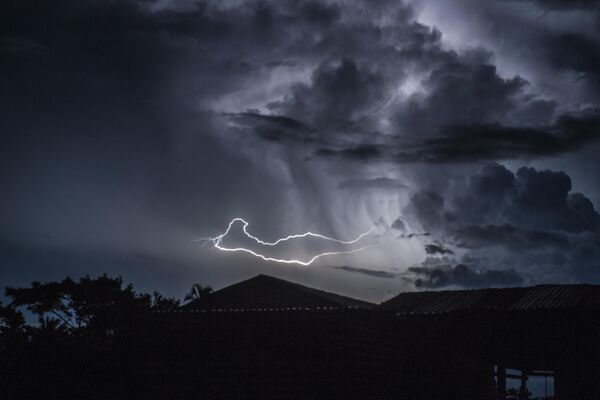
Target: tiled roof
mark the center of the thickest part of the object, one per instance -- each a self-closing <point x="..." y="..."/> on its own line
<point x="265" y="292"/>
<point x="542" y="297"/>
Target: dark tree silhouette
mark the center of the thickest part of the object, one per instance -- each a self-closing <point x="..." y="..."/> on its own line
<point x="11" y="320"/>
<point x="90" y="304"/>
<point x="12" y="328"/>
<point x="95" y="306"/>
<point x="88" y="331"/>
<point x="161" y="303"/>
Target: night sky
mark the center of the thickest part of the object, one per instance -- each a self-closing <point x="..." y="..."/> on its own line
<point x="465" y="132"/>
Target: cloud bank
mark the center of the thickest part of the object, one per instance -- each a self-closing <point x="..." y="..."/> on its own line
<point x="131" y="127"/>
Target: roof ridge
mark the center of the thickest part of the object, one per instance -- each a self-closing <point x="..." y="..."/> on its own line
<point x="547" y="296"/>
<point x="258" y="282"/>
<point x="499" y="288"/>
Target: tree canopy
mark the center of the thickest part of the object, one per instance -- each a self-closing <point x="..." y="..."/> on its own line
<point x="97" y="306"/>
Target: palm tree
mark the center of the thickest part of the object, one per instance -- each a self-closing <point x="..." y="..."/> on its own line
<point x="198" y="292"/>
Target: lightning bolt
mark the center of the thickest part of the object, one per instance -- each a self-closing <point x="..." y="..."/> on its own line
<point x="216" y="241"/>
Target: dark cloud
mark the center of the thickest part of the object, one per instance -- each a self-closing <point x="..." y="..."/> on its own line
<point x="509" y="236"/>
<point x="365" y="152"/>
<point x="337" y="97"/>
<point x="576" y="52"/>
<point x="412" y="235"/>
<point x="562" y="5"/>
<point x="461" y="92"/>
<point x="428" y="209"/>
<point x="529" y="198"/>
<point x="465" y="111"/>
<point x="273" y="127"/>
<point x="552" y="42"/>
<point x="369" y="272"/>
<point x="320" y="13"/>
<point x="437" y="249"/>
<point x="284" y="122"/>
<point x="133" y="126"/>
<point x="528" y="220"/>
<point x="533" y="199"/>
<point x="496" y="142"/>
<point x="463" y="276"/>
<point x="474" y="143"/>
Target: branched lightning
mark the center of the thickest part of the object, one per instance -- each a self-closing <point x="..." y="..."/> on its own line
<point x="216" y="241"/>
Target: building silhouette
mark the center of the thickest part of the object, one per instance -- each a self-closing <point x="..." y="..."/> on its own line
<point x="271" y="339"/>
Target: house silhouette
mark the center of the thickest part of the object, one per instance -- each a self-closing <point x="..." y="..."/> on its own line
<point x="269" y="338"/>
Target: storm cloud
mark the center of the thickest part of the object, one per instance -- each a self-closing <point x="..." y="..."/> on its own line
<point x="563" y="4"/>
<point x="497" y="218"/>
<point x="463" y="276"/>
<point x="131" y="128"/>
<point x="369" y="272"/>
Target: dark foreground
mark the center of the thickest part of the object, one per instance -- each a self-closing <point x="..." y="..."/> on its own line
<point x="268" y="338"/>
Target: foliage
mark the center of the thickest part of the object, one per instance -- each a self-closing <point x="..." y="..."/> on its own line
<point x="97" y="306"/>
<point x="83" y="329"/>
<point x="11" y="320"/>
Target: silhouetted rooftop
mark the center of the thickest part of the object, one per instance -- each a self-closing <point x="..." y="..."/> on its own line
<point x="542" y="297"/>
<point x="264" y="292"/>
<point x="267" y="293"/>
